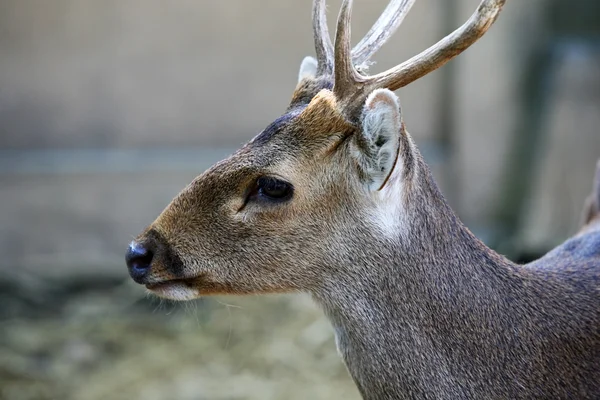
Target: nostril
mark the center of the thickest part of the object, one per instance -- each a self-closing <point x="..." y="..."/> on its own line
<point x="139" y="260"/>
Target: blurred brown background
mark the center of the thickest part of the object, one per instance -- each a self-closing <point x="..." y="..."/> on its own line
<point x="108" y="108"/>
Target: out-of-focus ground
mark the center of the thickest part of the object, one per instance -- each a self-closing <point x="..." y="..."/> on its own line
<point x="98" y="343"/>
<point x="109" y="108"/>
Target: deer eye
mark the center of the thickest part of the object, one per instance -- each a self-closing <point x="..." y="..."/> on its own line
<point x="273" y="189"/>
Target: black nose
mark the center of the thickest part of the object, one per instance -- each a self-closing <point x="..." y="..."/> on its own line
<point x="138" y="259"/>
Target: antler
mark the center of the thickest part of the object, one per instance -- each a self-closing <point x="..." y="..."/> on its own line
<point x="382" y="30"/>
<point x="323" y="45"/>
<point x="352" y="87"/>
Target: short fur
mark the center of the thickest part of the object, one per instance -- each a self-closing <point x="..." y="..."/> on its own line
<point x="421" y="308"/>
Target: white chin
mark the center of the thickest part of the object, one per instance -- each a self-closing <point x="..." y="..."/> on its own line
<point x="174" y="291"/>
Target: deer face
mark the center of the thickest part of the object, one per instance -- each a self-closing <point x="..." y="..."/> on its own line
<point x="269" y="218"/>
<point x="337" y="165"/>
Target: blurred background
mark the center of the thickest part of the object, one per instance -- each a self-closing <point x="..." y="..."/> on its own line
<point x="109" y="108"/>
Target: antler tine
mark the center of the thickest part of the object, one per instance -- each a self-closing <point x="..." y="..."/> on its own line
<point x="443" y="51"/>
<point x="346" y="78"/>
<point x="382" y="30"/>
<point x="351" y="87"/>
<point x="323" y="45"/>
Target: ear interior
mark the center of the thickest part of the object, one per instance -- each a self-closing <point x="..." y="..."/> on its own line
<point x="376" y="147"/>
<point x="308" y="68"/>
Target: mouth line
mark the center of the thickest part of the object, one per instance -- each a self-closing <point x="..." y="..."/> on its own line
<point x="175" y="289"/>
<point x="171" y="282"/>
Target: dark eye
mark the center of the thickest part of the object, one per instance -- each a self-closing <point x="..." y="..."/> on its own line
<point x="273" y="189"/>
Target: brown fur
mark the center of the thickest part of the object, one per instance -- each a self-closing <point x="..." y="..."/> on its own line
<point x="209" y="217"/>
<point x="421" y="308"/>
<point x="428" y="312"/>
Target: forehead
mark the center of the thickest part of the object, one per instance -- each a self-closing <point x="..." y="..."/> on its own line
<point x="304" y="127"/>
<point x="304" y="131"/>
<point x="281" y="140"/>
<point x="303" y="134"/>
<point x="283" y="127"/>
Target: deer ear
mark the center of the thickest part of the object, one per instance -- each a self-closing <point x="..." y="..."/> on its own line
<point x="376" y="146"/>
<point x="308" y="68"/>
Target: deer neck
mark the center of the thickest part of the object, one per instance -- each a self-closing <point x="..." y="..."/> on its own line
<point x="394" y="304"/>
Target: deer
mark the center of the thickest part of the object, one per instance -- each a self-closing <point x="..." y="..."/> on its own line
<point x="334" y="199"/>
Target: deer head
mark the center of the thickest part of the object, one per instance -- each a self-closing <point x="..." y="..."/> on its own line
<point x="337" y="170"/>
